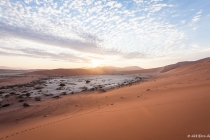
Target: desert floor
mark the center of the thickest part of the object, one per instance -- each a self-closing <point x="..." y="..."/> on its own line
<point x="170" y="106"/>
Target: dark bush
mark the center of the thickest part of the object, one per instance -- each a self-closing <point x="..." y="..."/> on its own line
<point x="20" y="96"/>
<point x="37" y="98"/>
<point x="5" y="105"/>
<point x="12" y="93"/>
<point x="57" y="97"/>
<point x="6" y="96"/>
<point x="63" y="93"/>
<point x="62" y="84"/>
<point x="92" y="89"/>
<point x="28" y="94"/>
<point x="84" y="88"/>
<point x="26" y="105"/>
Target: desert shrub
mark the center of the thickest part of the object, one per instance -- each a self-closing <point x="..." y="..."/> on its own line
<point x="37" y="98"/>
<point x="63" y="93"/>
<point x="21" y="101"/>
<point x="62" y="84"/>
<point x="12" y="93"/>
<point x="38" y="87"/>
<point x="57" y="97"/>
<point x="5" y="105"/>
<point x="28" y="94"/>
<point x="20" y="96"/>
<point x="84" y="88"/>
<point x="26" y="105"/>
<point x="92" y="89"/>
<point x="6" y="96"/>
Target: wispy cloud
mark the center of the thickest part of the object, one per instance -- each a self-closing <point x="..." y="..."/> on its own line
<point x="90" y="29"/>
<point x="197" y="16"/>
<point x="183" y="21"/>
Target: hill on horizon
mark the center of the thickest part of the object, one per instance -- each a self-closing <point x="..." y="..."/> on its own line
<point x="100" y="70"/>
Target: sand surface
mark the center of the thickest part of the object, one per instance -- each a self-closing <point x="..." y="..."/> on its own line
<point x="170" y="106"/>
<point x="17" y="80"/>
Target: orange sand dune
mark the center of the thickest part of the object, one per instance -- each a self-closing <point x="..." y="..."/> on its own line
<point x="152" y="71"/>
<point x="17" y="80"/>
<point x="92" y="71"/>
<point x="72" y="72"/>
<point x="193" y="68"/>
<point x="181" y="64"/>
<point x="112" y="70"/>
<point x="172" y="106"/>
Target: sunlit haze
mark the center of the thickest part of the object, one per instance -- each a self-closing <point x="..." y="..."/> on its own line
<point x="95" y="63"/>
<point x="89" y="33"/>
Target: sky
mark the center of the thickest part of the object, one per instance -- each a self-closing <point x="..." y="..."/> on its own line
<point x="47" y="34"/>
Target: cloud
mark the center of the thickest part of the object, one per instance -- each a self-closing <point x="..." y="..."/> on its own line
<point x="37" y="53"/>
<point x="197" y="16"/>
<point x="90" y="27"/>
<point x="183" y="21"/>
<point x="195" y="46"/>
<point x="114" y="4"/>
<point x="88" y="46"/>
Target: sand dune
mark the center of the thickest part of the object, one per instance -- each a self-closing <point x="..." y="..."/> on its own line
<point x="112" y="70"/>
<point x="17" y="80"/>
<point x="193" y="68"/>
<point x="155" y="71"/>
<point x="129" y="68"/>
<point x="92" y="71"/>
<point x="83" y="71"/>
<point x="180" y="64"/>
<point x="72" y="72"/>
<point x="152" y="71"/>
<point x="171" y="106"/>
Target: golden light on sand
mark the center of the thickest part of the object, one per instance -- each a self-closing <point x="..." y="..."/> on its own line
<point x="95" y="63"/>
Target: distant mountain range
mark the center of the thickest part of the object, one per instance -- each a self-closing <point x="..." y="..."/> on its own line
<point x="129" y="68"/>
<point x="100" y="70"/>
<point x="85" y="71"/>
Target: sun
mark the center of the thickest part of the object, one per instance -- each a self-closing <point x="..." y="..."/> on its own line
<point x="95" y="63"/>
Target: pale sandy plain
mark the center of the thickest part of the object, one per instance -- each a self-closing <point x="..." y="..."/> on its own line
<point x="169" y="106"/>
